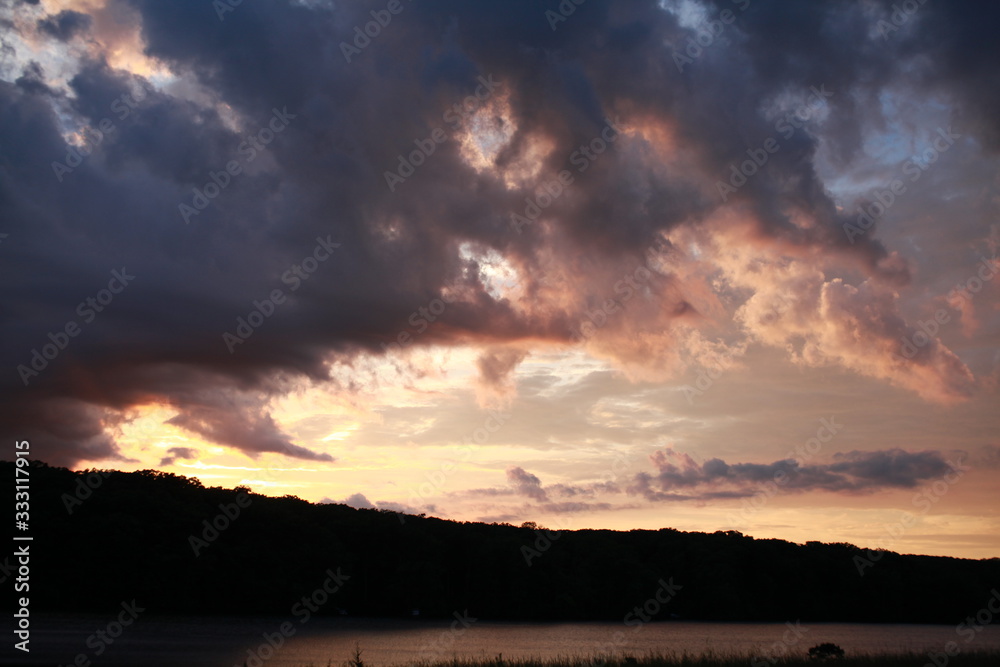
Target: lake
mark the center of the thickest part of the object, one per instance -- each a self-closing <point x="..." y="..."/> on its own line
<point x="225" y="642"/>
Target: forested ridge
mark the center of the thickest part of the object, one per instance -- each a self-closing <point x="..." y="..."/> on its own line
<point x="144" y="536"/>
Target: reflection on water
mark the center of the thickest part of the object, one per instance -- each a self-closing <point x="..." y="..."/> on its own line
<point x="227" y="642"/>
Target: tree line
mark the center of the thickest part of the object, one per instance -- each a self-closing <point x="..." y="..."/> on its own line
<point x="179" y="547"/>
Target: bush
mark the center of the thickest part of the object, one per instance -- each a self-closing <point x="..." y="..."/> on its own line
<point x="826" y="651"/>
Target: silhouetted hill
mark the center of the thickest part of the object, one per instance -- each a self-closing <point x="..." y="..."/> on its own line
<point x="132" y="539"/>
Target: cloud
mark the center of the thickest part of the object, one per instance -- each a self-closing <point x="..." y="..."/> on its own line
<point x="574" y="507"/>
<point x="988" y="456"/>
<point x="827" y="322"/>
<point x="495" y="366"/>
<point x="358" y="501"/>
<point x="525" y="483"/>
<point x="242" y="421"/>
<point x="65" y="25"/>
<point x="680" y="478"/>
<point x="361" y="502"/>
<point x="212" y="87"/>
<point x="175" y="454"/>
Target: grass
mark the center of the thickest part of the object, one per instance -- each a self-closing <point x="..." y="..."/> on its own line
<point x="982" y="658"/>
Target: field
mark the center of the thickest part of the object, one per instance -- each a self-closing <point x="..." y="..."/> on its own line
<point x="988" y="658"/>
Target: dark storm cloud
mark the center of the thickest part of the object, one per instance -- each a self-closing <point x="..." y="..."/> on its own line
<point x="960" y="49"/>
<point x="65" y="25"/>
<point x="160" y="341"/>
<point x="680" y="478"/>
<point x="249" y="427"/>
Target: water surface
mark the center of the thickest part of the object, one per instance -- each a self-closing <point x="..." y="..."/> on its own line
<point x="227" y="642"/>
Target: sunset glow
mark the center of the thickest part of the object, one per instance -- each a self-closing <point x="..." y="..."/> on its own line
<point x="582" y="275"/>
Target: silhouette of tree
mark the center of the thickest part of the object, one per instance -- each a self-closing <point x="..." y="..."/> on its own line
<point x="129" y="538"/>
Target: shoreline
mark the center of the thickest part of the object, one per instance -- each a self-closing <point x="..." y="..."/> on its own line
<point x="972" y="658"/>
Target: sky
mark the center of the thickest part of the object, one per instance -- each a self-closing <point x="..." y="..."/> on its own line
<point x="703" y="265"/>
